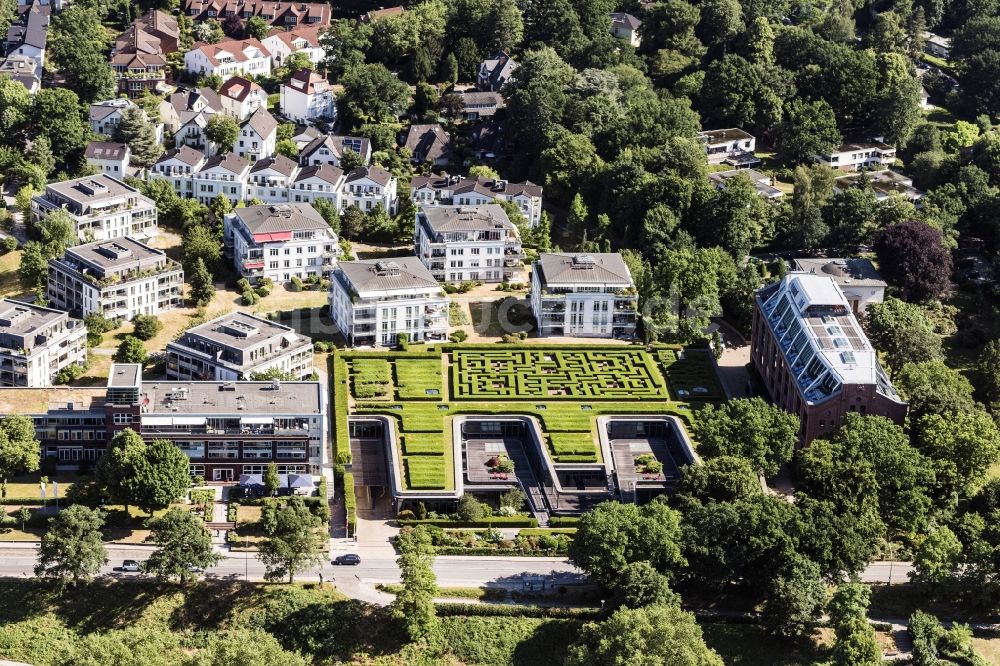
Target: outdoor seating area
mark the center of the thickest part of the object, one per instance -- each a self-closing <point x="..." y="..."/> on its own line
<point x="253" y="486"/>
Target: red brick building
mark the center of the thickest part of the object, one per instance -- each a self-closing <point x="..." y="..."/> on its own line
<point x="813" y="358"/>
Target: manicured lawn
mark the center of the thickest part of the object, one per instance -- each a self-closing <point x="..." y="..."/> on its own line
<point x="26" y="486"/>
<point x="371" y="378"/>
<point x="418" y="378"/>
<point x="424" y="472"/>
<point x="987" y="644"/>
<point x="554" y="373"/>
<point x="423" y="443"/>
<point x="572" y="447"/>
<point x="693" y="374"/>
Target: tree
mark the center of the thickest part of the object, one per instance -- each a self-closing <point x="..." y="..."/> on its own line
<point x="209" y="31"/>
<point x="272" y="373"/>
<point x="223" y="130"/>
<point x="184" y="544"/>
<point x="72" y="547"/>
<point x="720" y="479"/>
<point x="856" y="645"/>
<point x="372" y="94"/>
<point x="20" y="451"/>
<point x="131" y="350"/>
<point x="15" y="105"/>
<point x="470" y="509"/>
<point x="117" y="469"/>
<point x="202" y="285"/>
<point x="78" y="43"/>
<point x="200" y="242"/>
<point x="414" y="604"/>
<point x="90" y="76"/>
<point x="639" y="584"/>
<point x="849" y="602"/>
<point x="271" y="479"/>
<point x="293" y="543"/>
<point x="351" y="160"/>
<point x="737" y="218"/>
<point x="288" y="148"/>
<point x="749" y="428"/>
<point x="650" y="635"/>
<point x="256" y="27"/>
<point x="449" y="70"/>
<point x="913" y="257"/>
<point x="795" y="599"/>
<point x="901" y="331"/>
<point x="613" y="535"/>
<point x="57" y="115"/>
<point x="969" y="441"/>
<point x="33" y="269"/>
<point x="40" y="154"/>
<point x="345" y="44"/>
<point x="931" y="387"/>
<point x="808" y="129"/>
<point x="146" y="327"/>
<point x="898" y="110"/>
<point x="135" y="130"/>
<point x="161" y="476"/>
<point x="938" y="556"/>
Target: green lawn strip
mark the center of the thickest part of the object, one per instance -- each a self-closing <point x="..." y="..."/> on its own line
<point x="695" y="370"/>
<point x="342" y="433"/>
<point x="423" y="443"/>
<point x="575" y="445"/>
<point x="415" y="377"/>
<point x="425" y="472"/>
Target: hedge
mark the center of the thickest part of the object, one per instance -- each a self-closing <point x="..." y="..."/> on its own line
<point x="342" y="432"/>
<point x="515" y="610"/>
<point x="557" y="521"/>
<point x="350" y="503"/>
<point x="547" y="531"/>
<point x="498" y="552"/>
<point x="496" y="521"/>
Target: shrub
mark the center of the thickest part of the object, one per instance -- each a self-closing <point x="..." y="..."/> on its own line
<point x="350" y="503"/>
<point x="263" y="290"/>
<point x="243" y="284"/>
<point x="146" y="327"/>
<point x="458" y="336"/>
<point x="9" y="244"/>
<point x="470" y="509"/>
<point x="250" y="298"/>
<point x="321" y="347"/>
<point x="296" y="283"/>
<point x="405" y="514"/>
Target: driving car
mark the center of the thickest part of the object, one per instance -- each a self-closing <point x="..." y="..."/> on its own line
<point x="130" y="565"/>
<point x="347" y="559"/>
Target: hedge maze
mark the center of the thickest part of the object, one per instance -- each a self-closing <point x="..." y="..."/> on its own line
<point x="555" y="374"/>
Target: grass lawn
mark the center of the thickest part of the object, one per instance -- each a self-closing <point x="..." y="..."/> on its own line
<point x="10" y="284"/>
<point x="987" y="644"/>
<point x="26" y="486"/>
<point x="751" y="645"/>
<point x="423" y="443"/>
<point x="418" y="378"/>
<point x="693" y="374"/>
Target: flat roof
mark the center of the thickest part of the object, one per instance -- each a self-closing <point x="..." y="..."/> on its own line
<point x="854" y="271"/>
<point x="125" y="375"/>
<point x="21" y="319"/>
<point x="239" y="330"/>
<point x="244" y="398"/>
<point x="39" y="401"/>
<point x="726" y="134"/>
<point x="113" y="253"/>
<point x="90" y="189"/>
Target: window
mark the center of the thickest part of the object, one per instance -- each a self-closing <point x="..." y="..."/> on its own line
<point x="122" y="419"/>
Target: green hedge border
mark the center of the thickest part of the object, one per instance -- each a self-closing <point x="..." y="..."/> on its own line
<point x="497" y="521"/>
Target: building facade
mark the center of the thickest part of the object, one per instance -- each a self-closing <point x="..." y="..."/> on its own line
<point x="859" y="155"/>
<point x="101" y="207"/>
<point x="458" y="244"/>
<point x="306" y="97"/>
<point x="224" y="428"/>
<point x="231" y="57"/>
<point x="279" y="14"/>
<point x="109" y="158"/>
<point x="857" y="278"/>
<point x="813" y="358"/>
<point x="36" y="343"/>
<point x="280" y="241"/>
<point x="237" y="345"/>
<point x="730" y="145"/>
<point x="120" y="278"/>
<point x="445" y="190"/>
<point x="583" y="295"/>
<point x="373" y="301"/>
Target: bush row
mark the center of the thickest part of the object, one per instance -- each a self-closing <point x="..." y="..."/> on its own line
<point x="564" y="521"/>
<point x="342" y="433"/>
<point x="350" y="503"/>
<point x="515" y="610"/>
<point x="496" y="521"/>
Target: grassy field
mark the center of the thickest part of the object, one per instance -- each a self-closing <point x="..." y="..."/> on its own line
<point x="557" y="390"/>
<point x="10" y="284"/>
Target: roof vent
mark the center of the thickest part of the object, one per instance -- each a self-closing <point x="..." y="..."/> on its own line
<point x="387" y="268"/>
<point x="583" y="261"/>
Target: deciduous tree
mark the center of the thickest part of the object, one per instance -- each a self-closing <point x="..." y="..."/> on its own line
<point x="749" y="428"/>
<point x="184" y="544"/>
<point x="72" y="548"/>
<point x="223" y="130"/>
<point x="20" y="451"/>
<point x="131" y="350"/>
<point x="912" y="256"/>
<point x="414" y="604"/>
<point x="293" y="540"/>
<point x="902" y="332"/>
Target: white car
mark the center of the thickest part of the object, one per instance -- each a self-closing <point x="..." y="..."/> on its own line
<point x="130" y="565"/>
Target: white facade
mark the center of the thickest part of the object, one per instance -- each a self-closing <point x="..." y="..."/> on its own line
<point x="369" y="187"/>
<point x="862" y="155"/>
<point x="297" y="40"/>
<point x="114" y="167"/>
<point x="222" y="174"/>
<point x="308" y="98"/>
<point x="447" y="190"/>
<point x="583" y="295"/>
<point x="246" y="57"/>
<point x="240" y="98"/>
<point x="101" y="207"/>
<point x="727" y="144"/>
<point x="36" y="343"/>
<point x="178" y="166"/>
<point x="461" y="244"/>
<point x="373" y="301"/>
<point x="258" y="136"/>
<point x="280" y="242"/>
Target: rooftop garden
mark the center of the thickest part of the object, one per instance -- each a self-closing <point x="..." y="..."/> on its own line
<point x="565" y="387"/>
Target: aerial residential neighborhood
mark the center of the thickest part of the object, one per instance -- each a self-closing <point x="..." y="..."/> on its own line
<point x="500" y="333"/>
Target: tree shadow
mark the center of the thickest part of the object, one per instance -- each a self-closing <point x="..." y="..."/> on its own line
<point x="105" y="604"/>
<point x="548" y="644"/>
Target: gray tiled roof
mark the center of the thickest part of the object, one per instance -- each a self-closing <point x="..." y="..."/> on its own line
<point x="387" y="274"/>
<point x="280" y="163"/>
<point x="104" y="150"/>
<point x="276" y="218"/>
<point x="466" y="218"/>
<point x="583" y="268"/>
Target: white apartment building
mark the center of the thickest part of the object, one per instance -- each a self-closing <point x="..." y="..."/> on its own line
<point x="305" y="39"/>
<point x="231" y="57"/>
<point x="102" y="208"/>
<point x="583" y="295"/>
<point x="372" y="301"/>
<point x="859" y="155"/>
<point x="318" y="182"/>
<point x="445" y="190"/>
<point x="240" y="98"/>
<point x="328" y="149"/>
<point x="119" y="278"/>
<point x="36" y="343"/>
<point x="258" y="136"/>
<point x="270" y="179"/>
<point x="234" y="346"/>
<point x="369" y="186"/>
<point x="280" y="241"/>
<point x="178" y="166"/>
<point x="467" y="243"/>
<point x="223" y="174"/>
<point x="307" y="97"/>
<point x="731" y="146"/>
<point x="109" y="158"/>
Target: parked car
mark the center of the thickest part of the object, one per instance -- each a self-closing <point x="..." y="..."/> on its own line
<point x="348" y="559"/>
<point x="130" y="565"/>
